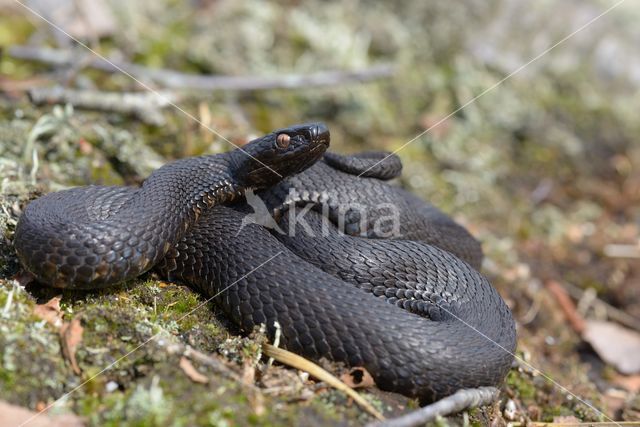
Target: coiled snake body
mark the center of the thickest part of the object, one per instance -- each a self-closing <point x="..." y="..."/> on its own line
<point x="423" y="322"/>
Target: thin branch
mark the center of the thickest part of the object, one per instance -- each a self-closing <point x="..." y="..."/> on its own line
<point x="459" y="401"/>
<point x="612" y="312"/>
<point x="144" y="105"/>
<point x="622" y="251"/>
<point x="560" y="294"/>
<point x="176" y="80"/>
<point x="216" y="364"/>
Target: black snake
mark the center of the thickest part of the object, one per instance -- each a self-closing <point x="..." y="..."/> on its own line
<point x="422" y="321"/>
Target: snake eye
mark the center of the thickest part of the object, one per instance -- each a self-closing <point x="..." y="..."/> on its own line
<point x="283" y="140"/>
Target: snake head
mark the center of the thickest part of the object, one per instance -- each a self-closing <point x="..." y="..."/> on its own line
<point x="281" y="153"/>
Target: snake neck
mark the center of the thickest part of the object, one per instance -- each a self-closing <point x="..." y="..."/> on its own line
<point x="197" y="184"/>
<point x="93" y="237"/>
<point x="221" y="192"/>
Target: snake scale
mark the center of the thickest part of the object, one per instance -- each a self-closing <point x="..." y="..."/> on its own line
<point x="404" y="302"/>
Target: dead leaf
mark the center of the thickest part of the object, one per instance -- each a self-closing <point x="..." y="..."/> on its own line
<point x="192" y="372"/>
<point x="50" y="311"/>
<point x="16" y="415"/>
<point x="70" y="337"/>
<point x="23" y="277"/>
<point x="357" y="378"/>
<point x="614" y="400"/>
<point x="630" y="383"/>
<point x="70" y="332"/>
<point x="616" y="345"/>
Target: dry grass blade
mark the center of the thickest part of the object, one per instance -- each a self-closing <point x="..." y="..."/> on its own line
<point x="298" y="362"/>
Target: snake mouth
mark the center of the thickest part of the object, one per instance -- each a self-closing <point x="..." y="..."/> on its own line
<point x="324" y="146"/>
<point x="315" y="153"/>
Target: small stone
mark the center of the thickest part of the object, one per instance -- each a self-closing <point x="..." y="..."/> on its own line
<point x="510" y="410"/>
<point x="111" y="386"/>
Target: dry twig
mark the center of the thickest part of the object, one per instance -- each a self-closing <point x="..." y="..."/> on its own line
<point x="210" y="361"/>
<point x="612" y="312"/>
<point x="459" y="401"/>
<point x="144" y="105"/>
<point x="566" y="304"/>
<point x="176" y="80"/>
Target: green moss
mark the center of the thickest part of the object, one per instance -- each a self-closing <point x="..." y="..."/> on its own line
<point x="550" y="412"/>
<point x="162" y="399"/>
<point x="145" y="388"/>
<point x="14" y="29"/>
<point x="521" y="384"/>
<point x="32" y="370"/>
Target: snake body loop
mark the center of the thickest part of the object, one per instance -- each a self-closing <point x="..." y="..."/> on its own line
<point x="92" y="237"/>
<point x="358" y="205"/>
<point x="410" y="307"/>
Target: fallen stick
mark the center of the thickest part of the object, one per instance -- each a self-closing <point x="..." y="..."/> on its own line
<point x="622" y="251"/>
<point x="459" y="401"/>
<point x="561" y="295"/>
<point x="217" y="365"/>
<point x="176" y="80"/>
<point x="612" y="312"/>
<point x="144" y="105"/>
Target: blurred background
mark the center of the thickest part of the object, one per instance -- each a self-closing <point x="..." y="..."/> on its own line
<point x="542" y="168"/>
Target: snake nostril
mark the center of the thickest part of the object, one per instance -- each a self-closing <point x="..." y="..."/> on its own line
<point x="320" y="133"/>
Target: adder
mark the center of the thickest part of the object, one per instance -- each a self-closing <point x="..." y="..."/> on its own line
<point x="421" y="320"/>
